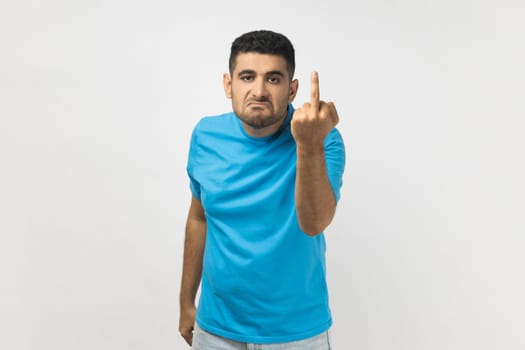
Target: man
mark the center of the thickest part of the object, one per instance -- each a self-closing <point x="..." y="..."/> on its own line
<point x="265" y="181"/>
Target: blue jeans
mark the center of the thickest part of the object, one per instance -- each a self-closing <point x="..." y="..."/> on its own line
<point x="203" y="340"/>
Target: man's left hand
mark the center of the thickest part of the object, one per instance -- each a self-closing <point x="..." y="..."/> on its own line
<point x="314" y="120"/>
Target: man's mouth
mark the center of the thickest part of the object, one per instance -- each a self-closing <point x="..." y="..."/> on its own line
<point x="259" y="104"/>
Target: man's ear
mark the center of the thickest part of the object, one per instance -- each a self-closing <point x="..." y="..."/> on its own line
<point x="227" y="82"/>
<point x="294" y="87"/>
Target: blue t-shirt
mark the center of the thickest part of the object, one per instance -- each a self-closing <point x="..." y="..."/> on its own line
<point x="263" y="279"/>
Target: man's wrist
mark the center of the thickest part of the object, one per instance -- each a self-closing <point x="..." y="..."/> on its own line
<point x="310" y="149"/>
<point x="186" y="302"/>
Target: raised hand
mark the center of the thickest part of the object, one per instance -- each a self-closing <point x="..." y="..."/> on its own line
<point x="315" y="119"/>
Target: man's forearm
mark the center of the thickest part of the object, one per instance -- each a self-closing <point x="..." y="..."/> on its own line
<point x="314" y="198"/>
<point x="191" y="268"/>
<point x="192" y="262"/>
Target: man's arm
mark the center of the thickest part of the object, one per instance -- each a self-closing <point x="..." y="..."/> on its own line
<point x="314" y="198"/>
<point x="192" y="267"/>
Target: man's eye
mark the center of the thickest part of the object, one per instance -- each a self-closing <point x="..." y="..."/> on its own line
<point x="274" y="80"/>
<point x="247" y="78"/>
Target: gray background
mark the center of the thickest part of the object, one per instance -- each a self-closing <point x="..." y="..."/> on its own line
<point x="97" y="103"/>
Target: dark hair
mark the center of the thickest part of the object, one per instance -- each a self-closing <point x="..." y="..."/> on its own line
<point x="265" y="42"/>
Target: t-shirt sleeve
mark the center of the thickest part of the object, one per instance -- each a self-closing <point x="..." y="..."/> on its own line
<point x="195" y="187"/>
<point x="335" y="161"/>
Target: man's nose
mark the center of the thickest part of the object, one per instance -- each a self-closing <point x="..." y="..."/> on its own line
<point x="259" y="89"/>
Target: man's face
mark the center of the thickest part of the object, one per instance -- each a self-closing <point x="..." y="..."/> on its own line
<point x="260" y="90"/>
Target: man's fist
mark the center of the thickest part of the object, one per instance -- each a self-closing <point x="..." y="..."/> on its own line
<point x="186" y="323"/>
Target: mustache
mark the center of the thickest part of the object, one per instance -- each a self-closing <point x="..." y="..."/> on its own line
<point x="259" y="99"/>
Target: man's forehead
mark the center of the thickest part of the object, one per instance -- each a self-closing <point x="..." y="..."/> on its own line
<point x="260" y="63"/>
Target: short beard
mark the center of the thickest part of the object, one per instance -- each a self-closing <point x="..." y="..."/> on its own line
<point x="260" y="123"/>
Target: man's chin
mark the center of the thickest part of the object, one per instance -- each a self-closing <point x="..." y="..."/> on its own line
<point x="259" y="122"/>
<point x="259" y="114"/>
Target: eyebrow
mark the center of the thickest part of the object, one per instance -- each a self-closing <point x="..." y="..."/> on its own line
<point x="251" y="71"/>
